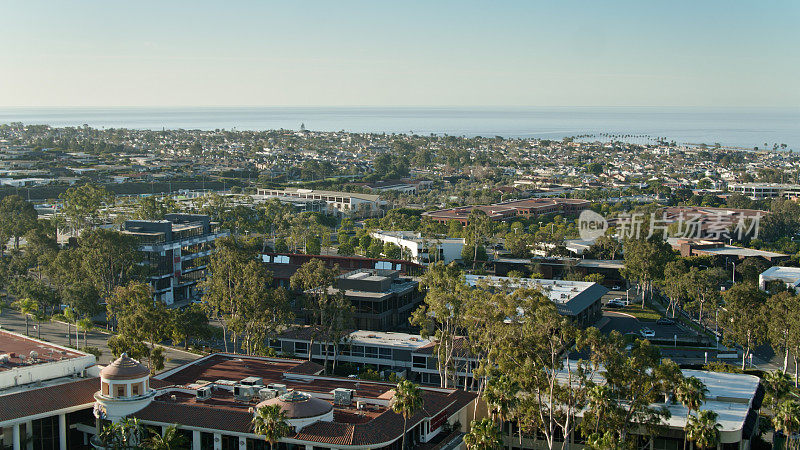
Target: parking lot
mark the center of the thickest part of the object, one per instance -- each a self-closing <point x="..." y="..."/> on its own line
<point x="615" y="319"/>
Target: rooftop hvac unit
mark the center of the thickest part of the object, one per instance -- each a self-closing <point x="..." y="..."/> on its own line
<point x="204" y="393"/>
<point x="281" y="388"/>
<point x="243" y="392"/>
<point x="4" y="358"/>
<point x="342" y="396"/>
<point x="252" y="381"/>
<point x="267" y="393"/>
<point x="34" y="354"/>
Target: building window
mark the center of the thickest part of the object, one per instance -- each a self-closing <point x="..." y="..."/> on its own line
<point x="301" y="347"/>
<point x="419" y="362"/>
<point x="385" y="353"/>
<point x="136" y="389"/>
<point x="120" y="390"/>
<point x="371" y="352"/>
<point x="104" y="388"/>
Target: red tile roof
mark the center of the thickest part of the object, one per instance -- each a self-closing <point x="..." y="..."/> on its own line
<point x="47" y="399"/>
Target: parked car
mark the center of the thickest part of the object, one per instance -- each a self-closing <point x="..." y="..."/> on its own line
<point x="615" y="303"/>
<point x="665" y="321"/>
<point x="647" y="333"/>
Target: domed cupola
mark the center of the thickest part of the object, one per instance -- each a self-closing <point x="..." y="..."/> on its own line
<point x="124" y="388"/>
<point x="301" y="409"/>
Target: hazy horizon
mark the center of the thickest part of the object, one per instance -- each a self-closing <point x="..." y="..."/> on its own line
<point x="411" y="54"/>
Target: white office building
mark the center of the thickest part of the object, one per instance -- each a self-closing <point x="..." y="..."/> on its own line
<point x="418" y="249"/>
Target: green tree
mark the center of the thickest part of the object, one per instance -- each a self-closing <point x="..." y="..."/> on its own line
<point x="777" y="385"/>
<point x="407" y="400"/>
<point x="27" y="307"/>
<point x="16" y="217"/>
<point x="703" y="289"/>
<point x="478" y="229"/>
<point x="783" y="326"/>
<point x="139" y="318"/>
<point x="645" y="261"/>
<point x="188" y="323"/>
<point x="703" y="429"/>
<point x="172" y="439"/>
<point x="270" y="421"/>
<point x="483" y="435"/>
<point x="744" y="318"/>
<point x="85" y="325"/>
<point x="154" y="208"/>
<point x="391" y="251"/>
<point x="440" y="316"/>
<point x="234" y="278"/>
<point x="82" y="204"/>
<point x="691" y="392"/>
<point x="787" y="421"/>
<point x="109" y="259"/>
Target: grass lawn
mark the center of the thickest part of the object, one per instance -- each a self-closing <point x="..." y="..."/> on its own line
<point x="645" y="315"/>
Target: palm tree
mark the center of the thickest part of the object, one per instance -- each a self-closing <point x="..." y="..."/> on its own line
<point x="406" y="401"/>
<point x="84" y="325"/>
<point x="691" y="392"/>
<point x="27" y="307"/>
<point x="170" y="440"/>
<point x="776" y="385"/>
<point x="599" y="398"/>
<point x="787" y="420"/>
<point x="501" y="396"/>
<point x="270" y="422"/>
<point x="703" y="429"/>
<point x="483" y="435"/>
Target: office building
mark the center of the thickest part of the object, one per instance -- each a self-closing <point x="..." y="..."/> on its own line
<point x="178" y="250"/>
<point x="422" y="250"/>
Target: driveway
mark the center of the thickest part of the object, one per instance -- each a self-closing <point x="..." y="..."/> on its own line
<point x="625" y="323"/>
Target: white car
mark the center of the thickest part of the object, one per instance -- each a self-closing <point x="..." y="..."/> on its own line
<point x="647" y="333"/>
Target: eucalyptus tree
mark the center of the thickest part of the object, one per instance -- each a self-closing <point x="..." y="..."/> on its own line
<point x="744" y="318"/>
<point x="441" y="315"/>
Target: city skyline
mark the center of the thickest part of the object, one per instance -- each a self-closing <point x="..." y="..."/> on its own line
<point x="410" y="54"/>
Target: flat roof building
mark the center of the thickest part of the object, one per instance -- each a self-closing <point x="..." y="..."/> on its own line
<point x="511" y="209"/>
<point x="790" y="276"/>
<point x="761" y="191"/>
<point x="578" y="300"/>
<point x="42" y="387"/>
<point x="339" y="203"/>
<point x="382" y="298"/>
<point x="423" y="250"/>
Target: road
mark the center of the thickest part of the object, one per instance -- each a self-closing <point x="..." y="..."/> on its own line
<point x="56" y="333"/>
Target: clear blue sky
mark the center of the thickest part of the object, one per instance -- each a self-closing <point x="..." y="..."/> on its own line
<point x="402" y="52"/>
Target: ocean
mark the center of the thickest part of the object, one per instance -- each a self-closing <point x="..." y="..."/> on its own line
<point x="735" y="127"/>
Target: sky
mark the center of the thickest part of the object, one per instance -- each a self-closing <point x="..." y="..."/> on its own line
<point x="400" y="53"/>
